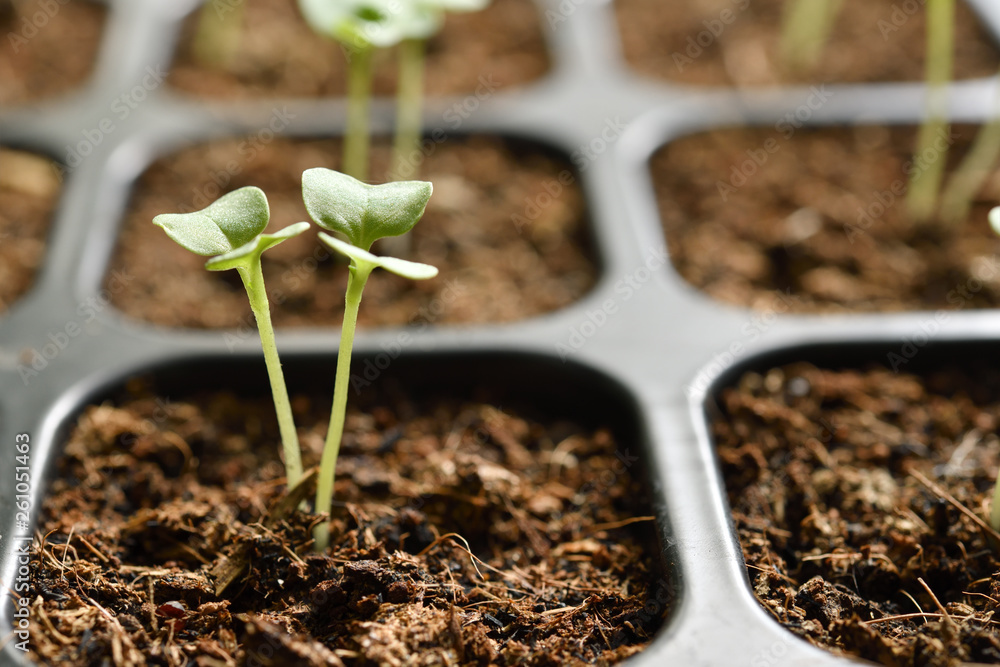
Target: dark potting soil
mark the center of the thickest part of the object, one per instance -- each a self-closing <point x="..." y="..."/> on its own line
<point x="820" y="219"/>
<point x="849" y="488"/>
<point x="279" y="55"/>
<point x="736" y="42"/>
<point x="506" y="248"/>
<point x="463" y="533"/>
<point x="49" y="47"/>
<point x="29" y="191"/>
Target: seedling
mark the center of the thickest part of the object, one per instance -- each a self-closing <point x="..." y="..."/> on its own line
<point x="361" y="214"/>
<point x="220" y="26"/>
<point x="805" y="29"/>
<point x="961" y="189"/>
<point x="921" y="197"/>
<point x="361" y="26"/>
<point x="231" y="229"/>
<point x="409" y="95"/>
<point x="930" y="156"/>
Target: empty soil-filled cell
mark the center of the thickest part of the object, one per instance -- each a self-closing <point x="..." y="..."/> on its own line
<point x="861" y="497"/>
<point x="50" y="47"/>
<point x="29" y="191"/>
<point x="471" y="525"/>
<point x="267" y="49"/>
<point x="737" y="42"/>
<point x="506" y="248"/>
<point x="816" y="220"/>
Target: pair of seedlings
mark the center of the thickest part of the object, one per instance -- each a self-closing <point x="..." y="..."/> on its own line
<point x="930" y="199"/>
<point x="231" y="231"/>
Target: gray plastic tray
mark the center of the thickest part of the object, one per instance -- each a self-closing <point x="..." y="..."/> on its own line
<point x="665" y="346"/>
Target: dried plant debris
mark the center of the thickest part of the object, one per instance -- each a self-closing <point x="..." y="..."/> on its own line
<point x="465" y="534"/>
<point x="859" y="498"/>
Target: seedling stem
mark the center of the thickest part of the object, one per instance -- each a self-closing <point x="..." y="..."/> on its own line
<point x="409" y="103"/>
<point x="253" y="280"/>
<point x="220" y="24"/>
<point x="961" y="189"/>
<point x="921" y="198"/>
<point x="356" y="280"/>
<point x="806" y="27"/>
<point x="359" y="89"/>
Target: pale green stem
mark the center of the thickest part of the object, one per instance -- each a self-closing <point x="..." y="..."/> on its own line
<point x="409" y="107"/>
<point x="356" y="280"/>
<point x="929" y="158"/>
<point x="805" y="29"/>
<point x="253" y="280"/>
<point x="359" y="91"/>
<point x="963" y="185"/>
<point x="220" y="26"/>
<point x="409" y="121"/>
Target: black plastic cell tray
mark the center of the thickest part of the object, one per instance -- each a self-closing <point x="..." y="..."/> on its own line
<point x="659" y="355"/>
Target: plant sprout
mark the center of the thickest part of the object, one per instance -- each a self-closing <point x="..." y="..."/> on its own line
<point x="409" y="95"/>
<point x="805" y="29"/>
<point x="361" y="214"/>
<point x="361" y="26"/>
<point x="921" y="196"/>
<point x="231" y="229"/>
<point x="956" y="200"/>
<point x="217" y="37"/>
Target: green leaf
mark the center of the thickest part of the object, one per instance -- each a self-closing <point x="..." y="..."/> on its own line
<point x="230" y="222"/>
<point x="363" y="213"/>
<point x="995" y="219"/>
<point x="456" y="5"/>
<point x="401" y="267"/>
<point x="361" y="24"/>
<point x="240" y="256"/>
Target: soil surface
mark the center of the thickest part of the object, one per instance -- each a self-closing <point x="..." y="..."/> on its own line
<point x="820" y="218"/>
<point x="156" y="503"/>
<point x="48" y="47"/>
<point x="279" y="55"/>
<point x="849" y="488"/>
<point x="493" y="267"/>
<point x="29" y="191"/>
<point x="736" y="42"/>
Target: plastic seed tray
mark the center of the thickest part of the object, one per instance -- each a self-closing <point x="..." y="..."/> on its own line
<point x="647" y="345"/>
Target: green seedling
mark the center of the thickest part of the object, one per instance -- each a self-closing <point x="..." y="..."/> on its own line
<point x="926" y="200"/>
<point x="805" y="30"/>
<point x="360" y="27"/>
<point x="220" y="28"/>
<point x="922" y="193"/>
<point x="231" y="231"/>
<point x="359" y="214"/>
<point x="409" y="95"/>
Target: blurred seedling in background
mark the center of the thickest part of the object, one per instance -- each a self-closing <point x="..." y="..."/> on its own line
<point x="358" y="214"/>
<point x="927" y="201"/>
<point x="805" y="29"/>
<point x="412" y="63"/>
<point x="361" y="27"/>
<point x="219" y="32"/>
<point x="231" y="231"/>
